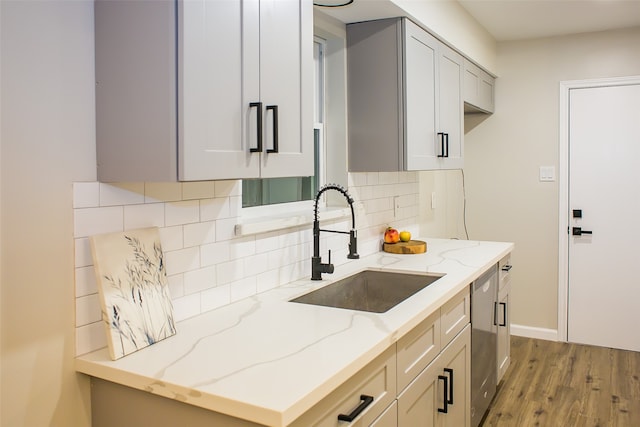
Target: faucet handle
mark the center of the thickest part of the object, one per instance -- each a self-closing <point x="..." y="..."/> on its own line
<point x="329" y="262"/>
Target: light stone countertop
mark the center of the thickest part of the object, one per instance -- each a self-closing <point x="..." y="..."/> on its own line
<point x="267" y="360"/>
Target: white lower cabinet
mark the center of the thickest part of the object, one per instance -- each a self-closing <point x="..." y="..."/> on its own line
<point x="428" y="369"/>
<point x="440" y="395"/>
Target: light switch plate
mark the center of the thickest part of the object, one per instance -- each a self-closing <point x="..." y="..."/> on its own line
<point x="547" y="173"/>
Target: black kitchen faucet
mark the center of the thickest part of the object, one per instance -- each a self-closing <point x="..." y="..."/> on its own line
<point x="317" y="267"/>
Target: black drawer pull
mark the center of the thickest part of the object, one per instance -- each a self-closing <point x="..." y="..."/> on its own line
<point x="445" y="399"/>
<point x="507" y="267"/>
<point x="366" y="401"/>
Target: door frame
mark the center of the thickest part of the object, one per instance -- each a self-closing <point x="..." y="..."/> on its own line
<point x="563" y="189"/>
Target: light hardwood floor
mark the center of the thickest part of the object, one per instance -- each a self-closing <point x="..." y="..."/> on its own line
<point x="566" y="385"/>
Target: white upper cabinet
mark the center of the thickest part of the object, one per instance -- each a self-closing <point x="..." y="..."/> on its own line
<point x="478" y="89"/>
<point x="405" y="98"/>
<point x="204" y="89"/>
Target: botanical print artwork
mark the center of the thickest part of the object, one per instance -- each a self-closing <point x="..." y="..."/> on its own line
<point x="132" y="284"/>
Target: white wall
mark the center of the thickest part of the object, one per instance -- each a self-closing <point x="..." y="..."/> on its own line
<point x="453" y="24"/>
<point x="505" y="200"/>
<point x="47" y="143"/>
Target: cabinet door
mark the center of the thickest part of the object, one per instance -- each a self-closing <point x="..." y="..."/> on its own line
<point x="504" y="332"/>
<point x="216" y="40"/>
<point x="389" y="417"/>
<point x="455" y="363"/>
<point x="418" y="404"/>
<point x="286" y="87"/>
<point x="420" y="99"/>
<point x="450" y="108"/>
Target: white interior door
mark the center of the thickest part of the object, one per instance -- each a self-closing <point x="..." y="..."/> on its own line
<point x="604" y="183"/>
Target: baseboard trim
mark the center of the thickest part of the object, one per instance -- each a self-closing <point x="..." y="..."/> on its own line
<point x="533" y="332"/>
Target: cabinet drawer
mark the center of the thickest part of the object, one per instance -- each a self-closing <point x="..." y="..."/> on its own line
<point x="454" y="316"/>
<point x="504" y="267"/>
<point x="417" y="349"/>
<point x="377" y="379"/>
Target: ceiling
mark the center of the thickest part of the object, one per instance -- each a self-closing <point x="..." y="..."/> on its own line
<point x="525" y="19"/>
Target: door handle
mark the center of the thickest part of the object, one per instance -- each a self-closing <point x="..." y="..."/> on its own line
<point x="444" y="144"/>
<point x="445" y="408"/>
<point x="450" y="397"/>
<point x="274" y="109"/>
<point x="577" y="231"/>
<point x="504" y="314"/>
<point x="257" y="105"/>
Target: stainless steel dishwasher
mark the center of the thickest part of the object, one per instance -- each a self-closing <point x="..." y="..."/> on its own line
<point x="484" y="336"/>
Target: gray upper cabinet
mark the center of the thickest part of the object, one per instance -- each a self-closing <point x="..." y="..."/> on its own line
<point x="478" y="89"/>
<point x="203" y="89"/>
<point x="405" y="98"/>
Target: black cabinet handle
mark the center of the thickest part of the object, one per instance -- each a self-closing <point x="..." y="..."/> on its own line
<point x="504" y="314"/>
<point x="274" y="108"/>
<point x="366" y="401"/>
<point x="441" y="138"/>
<point x="445" y="408"/>
<point x="258" y="149"/>
<point x="450" y="397"/>
<point x="507" y="267"/>
<point x="577" y="231"/>
<point x="446" y="135"/>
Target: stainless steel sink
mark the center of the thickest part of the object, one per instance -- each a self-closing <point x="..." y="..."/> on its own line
<point x="370" y="290"/>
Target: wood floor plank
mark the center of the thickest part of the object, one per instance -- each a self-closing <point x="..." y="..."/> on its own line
<point x="563" y="384"/>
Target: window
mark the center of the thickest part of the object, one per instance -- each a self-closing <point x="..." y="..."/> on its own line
<point x="271" y="191"/>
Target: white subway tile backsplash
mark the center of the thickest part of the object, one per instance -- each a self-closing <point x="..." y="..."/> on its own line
<point x="207" y="265"/>
<point x="214" y="253"/>
<point x="228" y="188"/>
<point x="182" y="260"/>
<point x="176" y="285"/>
<point x="85" y="281"/>
<point x="225" y="229"/>
<point x="185" y="307"/>
<point x="90" y="337"/>
<point x="230" y="271"/>
<point x="88" y="309"/>
<point x="184" y="212"/>
<point x="243" y="247"/>
<point x="90" y="221"/>
<point x="86" y="195"/>
<point x="199" y="233"/>
<point x="256" y="264"/>
<point x="83" y="252"/>
<point x="212" y="209"/>
<point x="199" y="280"/>
<point x="268" y="280"/>
<point x="172" y="238"/>
<point x="141" y="216"/>
<point x="243" y="288"/>
<point x="127" y="193"/>
<point x="198" y="190"/>
<point x="215" y="297"/>
<point x="162" y="192"/>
